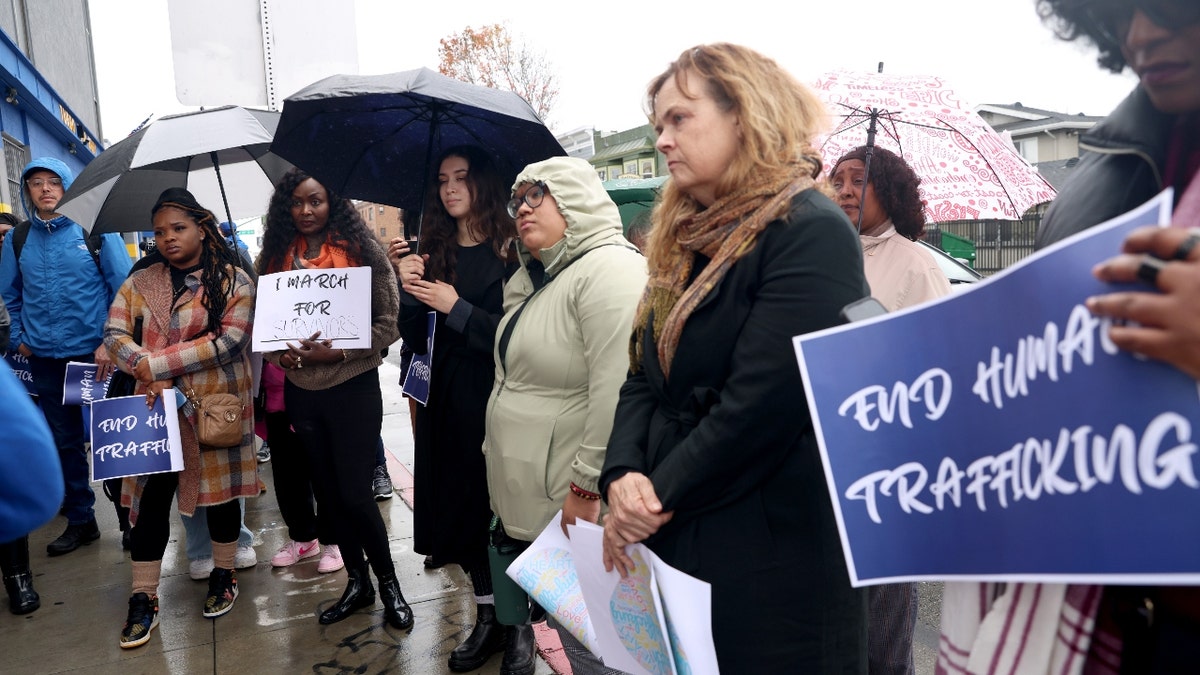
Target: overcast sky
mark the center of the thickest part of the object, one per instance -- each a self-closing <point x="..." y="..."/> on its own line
<point x="604" y="53"/>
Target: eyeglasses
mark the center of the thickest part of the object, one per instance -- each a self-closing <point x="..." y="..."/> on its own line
<point x="38" y="183"/>
<point x="1114" y="18"/>
<point x="533" y="198"/>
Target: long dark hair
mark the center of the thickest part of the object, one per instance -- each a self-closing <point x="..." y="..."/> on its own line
<point x="488" y="220"/>
<point x="896" y="187"/>
<point x="345" y="228"/>
<point x="218" y="263"/>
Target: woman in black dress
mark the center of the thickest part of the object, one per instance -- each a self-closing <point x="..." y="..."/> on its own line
<point x="465" y="257"/>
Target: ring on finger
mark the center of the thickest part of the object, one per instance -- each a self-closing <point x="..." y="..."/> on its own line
<point x="1186" y="246"/>
<point x="1149" y="268"/>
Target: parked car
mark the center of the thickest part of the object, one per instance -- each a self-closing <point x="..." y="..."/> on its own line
<point x="955" y="270"/>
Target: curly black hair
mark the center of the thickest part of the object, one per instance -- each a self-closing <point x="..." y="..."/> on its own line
<point x="344" y="229"/>
<point x="896" y="187"/>
<point x="489" y="215"/>
<point x="1093" y="20"/>
<point x="218" y="262"/>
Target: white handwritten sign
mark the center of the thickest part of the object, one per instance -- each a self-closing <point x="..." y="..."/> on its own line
<point x="292" y="306"/>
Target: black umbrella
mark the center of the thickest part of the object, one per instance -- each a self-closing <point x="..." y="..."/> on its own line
<point x="373" y="137"/>
<point x="222" y="156"/>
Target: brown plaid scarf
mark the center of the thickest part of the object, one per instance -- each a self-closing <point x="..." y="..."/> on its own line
<point x="724" y="232"/>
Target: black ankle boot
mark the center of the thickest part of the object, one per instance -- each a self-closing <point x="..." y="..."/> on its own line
<point x="18" y="580"/>
<point x="486" y="639"/>
<point x="519" y="651"/>
<point x="395" y="609"/>
<point x="359" y="593"/>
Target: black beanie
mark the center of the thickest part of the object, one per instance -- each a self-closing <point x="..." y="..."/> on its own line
<point x="177" y="196"/>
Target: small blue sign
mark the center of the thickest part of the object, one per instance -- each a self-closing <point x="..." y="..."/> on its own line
<point x="20" y="368"/>
<point x="129" y="439"/>
<point x="80" y="386"/>
<point x="420" y="369"/>
<point x="997" y="434"/>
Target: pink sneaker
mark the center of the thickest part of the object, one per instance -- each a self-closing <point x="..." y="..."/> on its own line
<point x="295" y="551"/>
<point x="331" y="560"/>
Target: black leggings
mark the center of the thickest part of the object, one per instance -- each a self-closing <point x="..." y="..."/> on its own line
<point x="148" y="539"/>
<point x="293" y="483"/>
<point x="339" y="429"/>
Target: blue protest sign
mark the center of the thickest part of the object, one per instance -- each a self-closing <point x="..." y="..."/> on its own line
<point x="80" y="386"/>
<point x="20" y="368"/>
<point x="420" y="372"/>
<point x="129" y="439"/>
<point x="996" y="434"/>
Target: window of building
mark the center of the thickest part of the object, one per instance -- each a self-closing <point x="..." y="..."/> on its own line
<point x="16" y="156"/>
<point x="602" y="173"/>
<point x="1027" y="148"/>
<point x="383" y="231"/>
<point x="381" y="209"/>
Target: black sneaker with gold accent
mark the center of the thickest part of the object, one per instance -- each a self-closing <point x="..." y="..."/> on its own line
<point x="142" y="620"/>
<point x="222" y="591"/>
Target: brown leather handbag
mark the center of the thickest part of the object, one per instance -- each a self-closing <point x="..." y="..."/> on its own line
<point x="218" y="419"/>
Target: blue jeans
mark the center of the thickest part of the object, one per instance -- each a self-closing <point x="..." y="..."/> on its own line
<point x="66" y="425"/>
<point x="195" y="527"/>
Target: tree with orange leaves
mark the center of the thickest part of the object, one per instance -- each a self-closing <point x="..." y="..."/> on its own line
<point x="489" y="56"/>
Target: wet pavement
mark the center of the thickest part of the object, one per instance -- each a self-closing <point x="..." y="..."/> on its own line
<point x="273" y="626"/>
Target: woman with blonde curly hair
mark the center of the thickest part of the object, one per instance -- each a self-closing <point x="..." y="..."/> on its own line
<point x="713" y="461"/>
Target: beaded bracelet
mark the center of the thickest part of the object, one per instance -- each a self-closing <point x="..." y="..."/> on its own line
<point x="583" y="494"/>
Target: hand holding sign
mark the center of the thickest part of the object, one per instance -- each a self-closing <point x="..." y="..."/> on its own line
<point x="1166" y="326"/>
<point x="294" y="305"/>
<point x="1015" y="441"/>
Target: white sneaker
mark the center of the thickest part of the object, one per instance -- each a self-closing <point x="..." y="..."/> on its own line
<point x="295" y="551"/>
<point x="200" y="568"/>
<point x="331" y="560"/>
<point x="245" y="558"/>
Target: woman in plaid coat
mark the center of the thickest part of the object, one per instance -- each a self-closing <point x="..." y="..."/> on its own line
<point x="195" y="311"/>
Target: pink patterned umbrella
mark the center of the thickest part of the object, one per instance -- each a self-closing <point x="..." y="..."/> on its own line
<point x="967" y="170"/>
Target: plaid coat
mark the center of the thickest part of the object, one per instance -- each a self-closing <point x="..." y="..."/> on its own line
<point x="206" y="364"/>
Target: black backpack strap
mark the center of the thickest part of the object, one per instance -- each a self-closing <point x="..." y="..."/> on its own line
<point x="94" y="242"/>
<point x="19" y="234"/>
<point x="506" y="334"/>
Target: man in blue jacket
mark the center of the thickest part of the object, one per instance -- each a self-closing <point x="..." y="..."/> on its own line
<point x="58" y="290"/>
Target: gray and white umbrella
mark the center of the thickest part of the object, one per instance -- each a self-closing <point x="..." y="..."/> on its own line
<point x="222" y="156"/>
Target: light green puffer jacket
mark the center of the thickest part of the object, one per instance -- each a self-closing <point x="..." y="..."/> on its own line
<point x="551" y="408"/>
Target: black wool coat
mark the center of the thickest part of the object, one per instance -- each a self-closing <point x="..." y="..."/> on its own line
<point x="730" y="448"/>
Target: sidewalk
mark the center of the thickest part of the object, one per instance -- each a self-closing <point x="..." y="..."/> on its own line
<point x="273" y="627"/>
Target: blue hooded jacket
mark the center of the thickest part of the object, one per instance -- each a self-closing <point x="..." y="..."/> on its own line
<point x="56" y="297"/>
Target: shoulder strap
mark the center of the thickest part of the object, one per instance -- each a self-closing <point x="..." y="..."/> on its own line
<point x="19" y="234"/>
<point x="94" y="242"/>
<point x="506" y="334"/>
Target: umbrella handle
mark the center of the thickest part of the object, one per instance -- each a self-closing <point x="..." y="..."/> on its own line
<point x="224" y="199"/>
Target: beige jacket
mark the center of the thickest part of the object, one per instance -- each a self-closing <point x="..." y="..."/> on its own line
<point x="551" y="409"/>
<point x="901" y="273"/>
